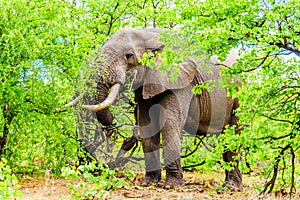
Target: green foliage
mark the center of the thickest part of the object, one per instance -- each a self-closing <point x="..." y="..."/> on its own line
<point x="198" y="153"/>
<point x="266" y="34"/>
<point x="97" y="186"/>
<point x="8" y="182"/>
<point x="208" y="85"/>
<point x="42" y="45"/>
<point x="32" y="45"/>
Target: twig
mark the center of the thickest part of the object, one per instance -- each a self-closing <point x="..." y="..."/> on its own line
<point x="293" y="188"/>
<point x="192" y="152"/>
<point x="271" y="183"/>
<point x="278" y="120"/>
<point x="195" y="165"/>
<point x="258" y="66"/>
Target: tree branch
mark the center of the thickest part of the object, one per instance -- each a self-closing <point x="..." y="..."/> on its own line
<point x="271" y="183"/>
<point x="259" y="65"/>
<point x="293" y="188"/>
<point x="278" y="120"/>
<point x="288" y="46"/>
<point x="195" y="165"/>
<point x="275" y="138"/>
<point x="192" y="152"/>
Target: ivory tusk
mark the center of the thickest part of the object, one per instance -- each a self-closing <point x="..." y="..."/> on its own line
<point x="114" y="91"/>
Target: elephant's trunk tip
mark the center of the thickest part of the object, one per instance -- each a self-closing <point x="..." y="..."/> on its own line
<point x="114" y="91"/>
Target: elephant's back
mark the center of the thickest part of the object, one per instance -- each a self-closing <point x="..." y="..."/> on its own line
<point x="211" y="110"/>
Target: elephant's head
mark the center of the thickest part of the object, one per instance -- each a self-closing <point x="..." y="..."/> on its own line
<point x="123" y="52"/>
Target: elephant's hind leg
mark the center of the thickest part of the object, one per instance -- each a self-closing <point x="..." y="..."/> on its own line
<point x="233" y="179"/>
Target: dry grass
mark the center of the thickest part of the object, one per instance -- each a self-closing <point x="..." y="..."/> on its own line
<point x="199" y="186"/>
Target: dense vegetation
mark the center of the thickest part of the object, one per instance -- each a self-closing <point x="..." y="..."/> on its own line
<point x="43" y="43"/>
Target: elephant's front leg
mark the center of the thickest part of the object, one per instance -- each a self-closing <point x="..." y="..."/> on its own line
<point x="147" y="116"/>
<point x="152" y="160"/>
<point x="173" y="116"/>
<point x="171" y="153"/>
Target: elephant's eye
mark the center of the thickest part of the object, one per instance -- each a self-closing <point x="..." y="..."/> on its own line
<point x="128" y="55"/>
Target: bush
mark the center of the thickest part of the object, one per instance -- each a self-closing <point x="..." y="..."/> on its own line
<point x="8" y="182"/>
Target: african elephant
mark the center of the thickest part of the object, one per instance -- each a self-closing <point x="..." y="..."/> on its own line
<point x="163" y="106"/>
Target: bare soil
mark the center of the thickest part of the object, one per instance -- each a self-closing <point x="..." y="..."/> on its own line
<point x="198" y="186"/>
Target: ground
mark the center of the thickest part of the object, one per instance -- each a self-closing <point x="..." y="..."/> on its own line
<point x="198" y="186"/>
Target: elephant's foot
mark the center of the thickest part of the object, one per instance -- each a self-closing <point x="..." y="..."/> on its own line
<point x="233" y="186"/>
<point x="174" y="176"/>
<point x="233" y="181"/>
<point x="174" y="180"/>
<point x="151" y="178"/>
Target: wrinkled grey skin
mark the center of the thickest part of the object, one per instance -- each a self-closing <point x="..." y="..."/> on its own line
<point x="165" y="108"/>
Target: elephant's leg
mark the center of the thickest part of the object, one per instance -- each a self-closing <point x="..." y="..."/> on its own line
<point x="171" y="153"/>
<point x="233" y="180"/>
<point x="174" y="114"/>
<point x="152" y="160"/>
<point x="148" y="116"/>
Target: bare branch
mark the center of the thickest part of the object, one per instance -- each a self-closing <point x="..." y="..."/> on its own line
<point x="271" y="183"/>
<point x="278" y="120"/>
<point x="275" y="138"/>
<point x="192" y="152"/>
<point x="195" y="165"/>
<point x="259" y="65"/>
<point x="293" y="188"/>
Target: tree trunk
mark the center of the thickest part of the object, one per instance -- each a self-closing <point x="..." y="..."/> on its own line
<point x="8" y="117"/>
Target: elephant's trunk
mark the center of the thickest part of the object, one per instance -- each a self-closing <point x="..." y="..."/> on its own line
<point x="114" y="91"/>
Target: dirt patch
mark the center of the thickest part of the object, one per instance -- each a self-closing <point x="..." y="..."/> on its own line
<point x="198" y="186"/>
<point x="45" y="188"/>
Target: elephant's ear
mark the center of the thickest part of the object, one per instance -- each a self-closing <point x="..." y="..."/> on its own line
<point x="155" y="83"/>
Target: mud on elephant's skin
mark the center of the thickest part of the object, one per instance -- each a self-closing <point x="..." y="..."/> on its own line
<point x="164" y="107"/>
